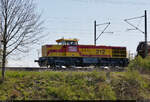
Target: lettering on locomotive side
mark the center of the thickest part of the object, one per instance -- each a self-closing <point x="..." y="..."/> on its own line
<point x="100" y="52"/>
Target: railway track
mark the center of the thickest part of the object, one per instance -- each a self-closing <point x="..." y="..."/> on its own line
<point x="65" y="69"/>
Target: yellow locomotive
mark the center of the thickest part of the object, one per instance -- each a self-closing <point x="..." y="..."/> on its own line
<point x="67" y="52"/>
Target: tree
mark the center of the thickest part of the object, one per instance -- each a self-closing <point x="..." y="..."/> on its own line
<point x="20" y="26"/>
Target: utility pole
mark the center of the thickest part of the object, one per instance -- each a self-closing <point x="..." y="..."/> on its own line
<point x="145" y="33"/>
<point x="95" y="33"/>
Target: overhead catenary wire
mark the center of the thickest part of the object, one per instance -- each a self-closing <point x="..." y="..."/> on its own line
<point x="133" y="18"/>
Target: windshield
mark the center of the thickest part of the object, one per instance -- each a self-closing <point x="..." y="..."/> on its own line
<point x="68" y="43"/>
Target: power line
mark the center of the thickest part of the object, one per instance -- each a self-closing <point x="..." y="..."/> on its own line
<point x="116" y="2"/>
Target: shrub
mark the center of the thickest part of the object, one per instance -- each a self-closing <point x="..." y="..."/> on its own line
<point x="130" y="86"/>
<point x="105" y="92"/>
<point x="143" y="65"/>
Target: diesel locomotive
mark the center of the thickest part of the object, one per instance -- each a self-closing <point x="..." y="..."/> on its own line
<point x="67" y="52"/>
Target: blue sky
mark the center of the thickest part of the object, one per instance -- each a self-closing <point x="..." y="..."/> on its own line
<point x="75" y="18"/>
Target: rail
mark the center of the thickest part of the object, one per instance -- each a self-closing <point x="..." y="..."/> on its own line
<point x="65" y="69"/>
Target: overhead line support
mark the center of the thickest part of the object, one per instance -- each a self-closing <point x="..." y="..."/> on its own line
<point x="95" y="33"/>
<point x="136" y="28"/>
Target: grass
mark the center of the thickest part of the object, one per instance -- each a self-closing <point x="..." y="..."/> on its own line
<point x="46" y="85"/>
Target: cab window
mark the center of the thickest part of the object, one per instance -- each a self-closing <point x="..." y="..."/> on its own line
<point x="68" y="43"/>
<point x="61" y="43"/>
<point x="71" y="43"/>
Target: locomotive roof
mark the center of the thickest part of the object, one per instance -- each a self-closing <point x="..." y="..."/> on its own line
<point x="62" y="39"/>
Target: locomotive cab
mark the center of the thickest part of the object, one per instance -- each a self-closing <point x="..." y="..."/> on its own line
<point x="72" y="42"/>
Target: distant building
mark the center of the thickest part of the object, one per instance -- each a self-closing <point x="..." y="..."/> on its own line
<point x="130" y="55"/>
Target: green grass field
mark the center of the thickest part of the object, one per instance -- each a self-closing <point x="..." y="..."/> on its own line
<point x="46" y="85"/>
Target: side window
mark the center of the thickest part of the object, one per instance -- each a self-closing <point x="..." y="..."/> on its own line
<point x="74" y="43"/>
<point x="61" y="43"/>
<point x="67" y="43"/>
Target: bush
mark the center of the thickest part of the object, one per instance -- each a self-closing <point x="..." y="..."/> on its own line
<point x="140" y="64"/>
<point x="105" y="92"/>
<point x="130" y="86"/>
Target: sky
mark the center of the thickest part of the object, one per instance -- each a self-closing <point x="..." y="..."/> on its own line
<point x="75" y="19"/>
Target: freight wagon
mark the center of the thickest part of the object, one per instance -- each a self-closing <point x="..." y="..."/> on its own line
<point x="141" y="49"/>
